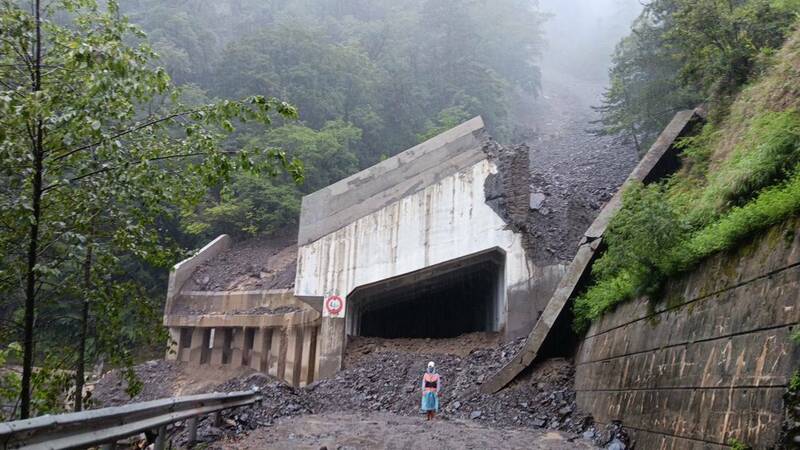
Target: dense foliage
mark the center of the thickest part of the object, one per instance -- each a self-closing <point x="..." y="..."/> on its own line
<point x="370" y="79"/>
<point x="740" y="175"/>
<point x="96" y="154"/>
<point x="681" y="53"/>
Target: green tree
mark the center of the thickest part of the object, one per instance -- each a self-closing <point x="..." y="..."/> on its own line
<point x="256" y="205"/>
<point x="91" y="131"/>
<point x="684" y="52"/>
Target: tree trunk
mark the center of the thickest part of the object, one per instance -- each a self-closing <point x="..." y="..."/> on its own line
<point x="33" y="239"/>
<point x="80" y="368"/>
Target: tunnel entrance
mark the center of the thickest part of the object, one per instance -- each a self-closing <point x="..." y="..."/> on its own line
<point x="442" y="301"/>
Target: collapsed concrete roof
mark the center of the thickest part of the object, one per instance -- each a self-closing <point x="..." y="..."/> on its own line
<point x="365" y="192"/>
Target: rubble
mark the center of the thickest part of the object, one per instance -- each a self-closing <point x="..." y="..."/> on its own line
<point x="575" y="169"/>
<point x="254" y="264"/>
<point x="383" y="376"/>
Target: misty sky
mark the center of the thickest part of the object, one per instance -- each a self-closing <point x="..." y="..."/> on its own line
<point x="581" y="34"/>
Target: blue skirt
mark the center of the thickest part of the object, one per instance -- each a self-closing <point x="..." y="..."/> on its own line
<point x="430" y="402"/>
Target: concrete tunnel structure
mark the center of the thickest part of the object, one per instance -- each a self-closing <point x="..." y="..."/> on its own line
<point x="413" y="249"/>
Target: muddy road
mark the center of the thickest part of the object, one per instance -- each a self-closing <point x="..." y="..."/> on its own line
<point x="391" y="431"/>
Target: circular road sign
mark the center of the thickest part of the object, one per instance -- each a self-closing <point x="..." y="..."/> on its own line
<point x="334" y="305"/>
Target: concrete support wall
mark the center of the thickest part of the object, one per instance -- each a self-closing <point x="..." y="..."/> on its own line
<point x="182" y="271"/>
<point x="308" y="361"/>
<point x="289" y="353"/>
<point x="708" y="363"/>
<point x="332" y="343"/>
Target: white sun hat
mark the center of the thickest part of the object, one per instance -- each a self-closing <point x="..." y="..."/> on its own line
<point x="431" y="365"/>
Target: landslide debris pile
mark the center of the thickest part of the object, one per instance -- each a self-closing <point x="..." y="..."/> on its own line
<point x="388" y="379"/>
<point x="384" y="375"/>
<point x="573" y="170"/>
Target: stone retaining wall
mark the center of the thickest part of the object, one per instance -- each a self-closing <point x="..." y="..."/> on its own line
<point x="708" y="363"/>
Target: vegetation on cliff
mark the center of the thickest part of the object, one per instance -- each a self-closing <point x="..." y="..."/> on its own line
<point x="684" y="52"/>
<point x="740" y="175"/>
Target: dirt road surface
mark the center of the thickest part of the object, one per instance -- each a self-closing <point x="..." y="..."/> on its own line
<point x="390" y="431"/>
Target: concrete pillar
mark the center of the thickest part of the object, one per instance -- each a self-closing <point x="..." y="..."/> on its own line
<point x="275" y="352"/>
<point x="237" y="347"/>
<point x="332" y="341"/>
<point x="309" y="355"/>
<point x="265" y="357"/>
<point x="294" y="353"/>
<point x="318" y="350"/>
<point x="174" y="344"/>
<point x="195" y="352"/>
<point x="257" y="351"/>
<point x="218" y="346"/>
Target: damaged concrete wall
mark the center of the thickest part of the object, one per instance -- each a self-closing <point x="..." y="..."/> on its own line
<point x="445" y="221"/>
<point x="708" y="363"/>
<point x="424" y="207"/>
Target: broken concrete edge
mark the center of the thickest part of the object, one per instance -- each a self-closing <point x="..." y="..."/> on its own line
<point x="182" y="271"/>
<point x="661" y="151"/>
<point x="331" y="208"/>
<point x="545" y="323"/>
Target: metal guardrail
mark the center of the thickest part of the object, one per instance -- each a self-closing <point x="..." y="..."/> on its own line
<point x="108" y="425"/>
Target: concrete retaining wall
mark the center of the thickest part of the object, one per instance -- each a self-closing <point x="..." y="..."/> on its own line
<point x="270" y="331"/>
<point x="708" y="363"/>
<point x="289" y="352"/>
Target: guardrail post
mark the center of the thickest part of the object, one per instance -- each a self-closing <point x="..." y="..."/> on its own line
<point x="161" y="439"/>
<point x="217" y="419"/>
<point x="192" y="425"/>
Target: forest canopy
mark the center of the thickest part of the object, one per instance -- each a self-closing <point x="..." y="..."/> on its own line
<point x="369" y="78"/>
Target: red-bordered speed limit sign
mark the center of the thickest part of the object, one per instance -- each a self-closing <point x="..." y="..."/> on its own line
<point x="334" y="306"/>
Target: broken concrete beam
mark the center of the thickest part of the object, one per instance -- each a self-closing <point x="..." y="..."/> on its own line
<point x="545" y="323"/>
<point x="661" y="160"/>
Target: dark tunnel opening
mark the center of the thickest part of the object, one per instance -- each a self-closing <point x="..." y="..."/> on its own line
<point x="447" y="301"/>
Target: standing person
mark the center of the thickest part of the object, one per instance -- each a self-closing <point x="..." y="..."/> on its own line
<point x="431" y="383"/>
